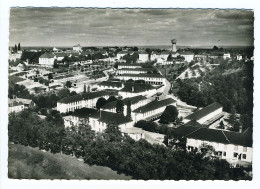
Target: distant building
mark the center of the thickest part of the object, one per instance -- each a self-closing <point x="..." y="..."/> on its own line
<point x="154" y="79"/>
<point x="129" y="66"/>
<point x="200" y="57"/>
<point x="239" y="57"/>
<point x="233" y="146"/>
<point x="135" y="71"/>
<point x="15" y="106"/>
<point x="47" y="59"/>
<point x="85" y="100"/>
<point x="206" y="115"/>
<point x="110" y="85"/>
<point x="226" y="55"/>
<point x="77" y="48"/>
<point x="161" y="55"/>
<point x="120" y="54"/>
<point x="136" y="89"/>
<point x="188" y="56"/>
<point x="143" y="57"/>
<point x="152" y="110"/>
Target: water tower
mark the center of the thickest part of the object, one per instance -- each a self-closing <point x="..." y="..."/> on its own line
<point x="174" y="48"/>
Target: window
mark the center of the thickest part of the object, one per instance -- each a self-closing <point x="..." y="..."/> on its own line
<point x="235" y="147"/>
<point x="224" y="153"/>
<point x="235" y="154"/>
<point x="244" y="156"/>
<point x="244" y="149"/>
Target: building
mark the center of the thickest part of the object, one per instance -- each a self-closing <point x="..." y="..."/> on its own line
<point x="47" y="59"/>
<point x="161" y="55"/>
<point x="152" y="110"/>
<point x="110" y="85"/>
<point x="200" y="57"/>
<point x="84" y="100"/>
<point x="136" y="102"/>
<point x="129" y="66"/>
<point x="120" y="54"/>
<point x="99" y="120"/>
<point x="174" y="47"/>
<point x="226" y="55"/>
<point x="233" y="146"/>
<point x="77" y="48"/>
<point x="28" y="103"/>
<point x="137" y="89"/>
<point x="143" y="56"/>
<point x="153" y="79"/>
<point x="206" y="115"/>
<point x="188" y="56"/>
<point x="15" y="106"/>
<point x="135" y="71"/>
<point x="239" y="57"/>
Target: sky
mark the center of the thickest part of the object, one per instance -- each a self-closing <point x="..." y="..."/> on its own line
<point x="131" y="27"/>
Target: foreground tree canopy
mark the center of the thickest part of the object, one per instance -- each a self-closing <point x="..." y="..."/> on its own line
<point x="139" y="159"/>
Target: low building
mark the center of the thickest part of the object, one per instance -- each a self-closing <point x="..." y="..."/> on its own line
<point x="152" y="110"/>
<point x="129" y="66"/>
<point x="121" y="54"/>
<point x="110" y="85"/>
<point x="226" y="55"/>
<point x="84" y="100"/>
<point x="153" y="79"/>
<point x="200" y="57"/>
<point x="161" y="55"/>
<point x="15" y="106"/>
<point x="188" y="56"/>
<point x="137" y="89"/>
<point x="233" y="146"/>
<point x="47" y="59"/>
<point x="239" y="57"/>
<point x="206" y="115"/>
<point x="98" y="120"/>
<point x="134" y="133"/>
<point x="135" y="71"/>
<point x="77" y="48"/>
<point x="143" y="57"/>
<point x="136" y="102"/>
<point x="28" y="103"/>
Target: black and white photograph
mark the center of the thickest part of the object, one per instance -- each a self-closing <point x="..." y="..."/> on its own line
<point x="130" y="94"/>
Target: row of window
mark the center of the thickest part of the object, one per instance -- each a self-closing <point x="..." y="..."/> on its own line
<point x="239" y="156"/>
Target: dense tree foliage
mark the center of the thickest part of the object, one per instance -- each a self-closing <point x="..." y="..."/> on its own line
<point x="229" y="84"/>
<point x="119" y="106"/>
<point x="33" y="57"/>
<point x="101" y="102"/>
<point x="139" y="159"/>
<point x="169" y="115"/>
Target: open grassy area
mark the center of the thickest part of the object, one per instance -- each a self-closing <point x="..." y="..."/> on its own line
<point x="29" y="163"/>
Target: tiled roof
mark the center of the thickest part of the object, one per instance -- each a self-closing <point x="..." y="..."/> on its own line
<point x="138" y="69"/>
<point x="193" y="123"/>
<point x="134" y="100"/>
<point x="214" y="135"/>
<point x="204" y="111"/>
<point x="136" y="87"/>
<point x="47" y="55"/>
<point x="84" y="96"/>
<point x="109" y="117"/>
<point x="154" y="105"/>
<point x="142" y="75"/>
<point x="110" y="83"/>
<point x="134" y="64"/>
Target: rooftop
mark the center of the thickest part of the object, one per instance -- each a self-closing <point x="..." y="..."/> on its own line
<point x="214" y="135"/>
<point x="154" y="105"/>
<point x="141" y="75"/>
<point x="136" y="87"/>
<point x="47" y="55"/>
<point x="204" y="111"/>
<point x="111" y="83"/>
<point x="133" y="100"/>
<point x="138" y="69"/>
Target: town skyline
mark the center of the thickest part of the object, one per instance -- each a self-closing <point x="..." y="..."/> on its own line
<point x="130" y="27"/>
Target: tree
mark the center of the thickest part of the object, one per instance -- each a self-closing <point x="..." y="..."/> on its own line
<point x="112" y="133"/>
<point x="215" y="48"/>
<point x="135" y="49"/>
<point x="50" y="76"/>
<point x="101" y="102"/>
<point x="19" y="47"/>
<point x="84" y="88"/>
<point x="15" y="48"/>
<point x="68" y="84"/>
<point x="120" y="106"/>
<point x="55" y="64"/>
<point x="111" y="99"/>
<point x="169" y="115"/>
<point x="128" y="113"/>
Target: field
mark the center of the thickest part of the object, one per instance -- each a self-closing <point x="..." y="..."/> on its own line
<point x="30" y="163"/>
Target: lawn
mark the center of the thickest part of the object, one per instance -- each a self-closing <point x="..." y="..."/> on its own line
<point x="30" y="163"/>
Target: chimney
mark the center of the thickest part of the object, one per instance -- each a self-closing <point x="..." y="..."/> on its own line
<point x="240" y="129"/>
<point x="133" y="88"/>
